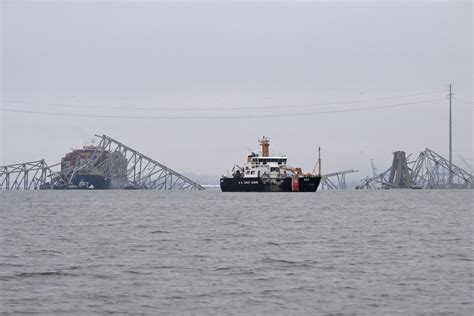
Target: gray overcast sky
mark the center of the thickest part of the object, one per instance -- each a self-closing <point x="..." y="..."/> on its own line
<point x="236" y="59"/>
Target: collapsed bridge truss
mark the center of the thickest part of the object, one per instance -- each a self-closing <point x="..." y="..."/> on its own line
<point x="428" y="171"/>
<point x="123" y="166"/>
<point x="432" y="171"/>
<point x="31" y="175"/>
<point x="142" y="172"/>
<point x="335" y="180"/>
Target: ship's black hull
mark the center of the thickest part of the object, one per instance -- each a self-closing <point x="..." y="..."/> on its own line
<point x="85" y="181"/>
<point x="302" y="184"/>
<point x="96" y="182"/>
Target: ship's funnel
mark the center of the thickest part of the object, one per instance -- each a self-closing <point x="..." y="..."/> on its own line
<point x="265" y="143"/>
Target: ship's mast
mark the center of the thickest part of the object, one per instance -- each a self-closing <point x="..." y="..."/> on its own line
<point x="319" y="161"/>
<point x="265" y="143"/>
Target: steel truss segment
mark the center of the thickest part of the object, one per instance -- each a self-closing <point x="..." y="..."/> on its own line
<point x="30" y="175"/>
<point x="429" y="171"/>
<point x="376" y="182"/>
<point x="328" y="184"/>
<point x="434" y="171"/>
<point x="141" y="171"/>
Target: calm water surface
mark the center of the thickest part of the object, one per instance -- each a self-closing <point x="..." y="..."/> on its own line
<point x="379" y="252"/>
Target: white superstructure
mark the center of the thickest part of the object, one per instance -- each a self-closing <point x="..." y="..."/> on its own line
<point x="265" y="166"/>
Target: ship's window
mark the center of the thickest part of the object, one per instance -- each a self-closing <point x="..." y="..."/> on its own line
<point x="274" y="169"/>
<point x="253" y="172"/>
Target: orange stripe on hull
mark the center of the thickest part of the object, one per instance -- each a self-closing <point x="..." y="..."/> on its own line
<point x="295" y="184"/>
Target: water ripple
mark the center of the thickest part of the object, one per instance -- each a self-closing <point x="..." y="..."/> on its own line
<point x="330" y="253"/>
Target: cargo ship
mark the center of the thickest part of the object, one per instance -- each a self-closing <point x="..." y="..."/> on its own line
<point x="265" y="173"/>
<point x="84" y="171"/>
